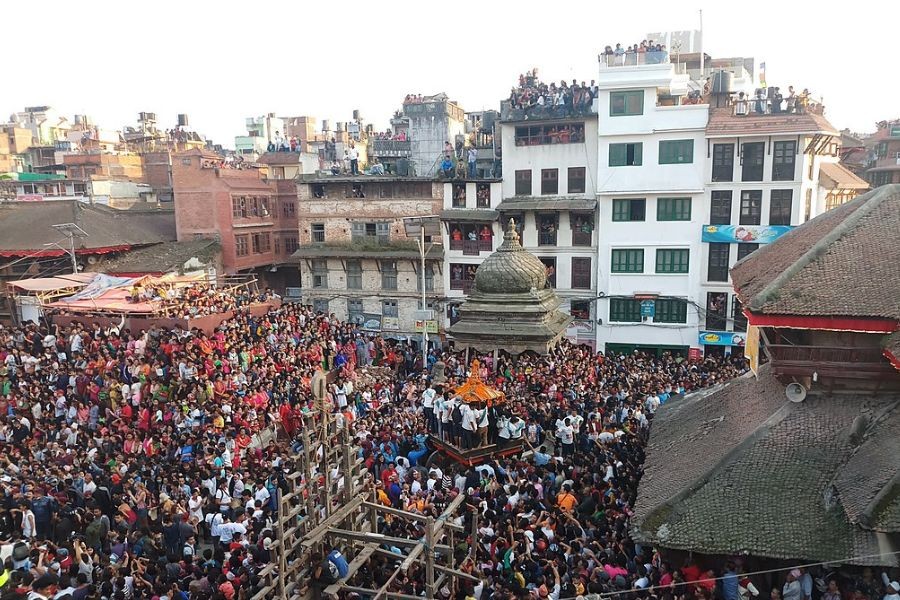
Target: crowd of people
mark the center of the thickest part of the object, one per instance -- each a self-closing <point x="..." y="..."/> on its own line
<point x="772" y="101"/>
<point x="646" y="53"/>
<point x="532" y="96"/>
<point x="133" y="464"/>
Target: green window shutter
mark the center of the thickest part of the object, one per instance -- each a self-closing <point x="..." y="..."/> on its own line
<point x="617" y="154"/>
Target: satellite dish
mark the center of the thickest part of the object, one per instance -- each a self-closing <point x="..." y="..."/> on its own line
<point x="795" y="392"/>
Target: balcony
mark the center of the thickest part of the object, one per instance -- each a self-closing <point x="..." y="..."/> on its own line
<point x="582" y="238"/>
<point x="547" y="238"/>
<point x="390" y="148"/>
<point x="546" y="113"/>
<point x="471" y="247"/>
<point x="633" y="59"/>
<point x="829" y="361"/>
<point x="464" y="285"/>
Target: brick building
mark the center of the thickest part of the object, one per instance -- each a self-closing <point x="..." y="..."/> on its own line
<point x="104" y="166"/>
<point x="354" y="257"/>
<point x="253" y="217"/>
<point x="883" y="166"/>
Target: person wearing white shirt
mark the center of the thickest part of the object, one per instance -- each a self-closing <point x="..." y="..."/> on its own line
<point x="503" y="431"/>
<point x="428" y="404"/>
<point x="469" y="424"/>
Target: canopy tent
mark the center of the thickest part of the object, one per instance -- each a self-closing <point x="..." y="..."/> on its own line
<point x="114" y="294"/>
<point x="52" y="284"/>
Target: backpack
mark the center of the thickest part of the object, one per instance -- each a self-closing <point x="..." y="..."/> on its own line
<point x="20" y="551"/>
<point x="456" y="415"/>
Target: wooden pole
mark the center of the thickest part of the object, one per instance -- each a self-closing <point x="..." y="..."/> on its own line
<point x="429" y="558"/>
<point x="283" y="546"/>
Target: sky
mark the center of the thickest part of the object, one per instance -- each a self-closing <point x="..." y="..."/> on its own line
<point x="223" y="62"/>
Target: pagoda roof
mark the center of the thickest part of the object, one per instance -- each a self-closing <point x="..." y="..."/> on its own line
<point x="476" y="391"/>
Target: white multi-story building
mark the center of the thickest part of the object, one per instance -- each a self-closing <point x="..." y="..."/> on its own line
<point x="549" y="181"/>
<point x="689" y="182"/>
<point x="651" y="204"/>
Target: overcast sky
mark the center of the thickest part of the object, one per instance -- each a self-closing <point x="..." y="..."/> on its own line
<point x="222" y="62"/>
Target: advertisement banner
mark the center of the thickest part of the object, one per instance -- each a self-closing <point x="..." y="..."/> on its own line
<point x="694" y="354"/>
<point x="648" y="308"/>
<point x="751" y="349"/>
<point x="369" y="321"/>
<point x="744" y="234"/>
<point x="390" y="324"/>
<point x="432" y="325"/>
<point x="722" y="338"/>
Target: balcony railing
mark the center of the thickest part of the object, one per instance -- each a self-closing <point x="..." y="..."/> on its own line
<point x="472" y="247"/>
<point x="582" y="238"/>
<point x="826" y="361"/>
<point x="633" y="59"/>
<point x="465" y="285"/>
<point x="390" y="147"/>
<point x="536" y="112"/>
<point x="547" y="238"/>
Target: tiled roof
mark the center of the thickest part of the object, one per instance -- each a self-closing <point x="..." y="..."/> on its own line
<point x="723" y="123"/>
<point x="842" y="263"/>
<point x="891" y="347"/>
<point x="547" y="203"/>
<point x="436" y="252"/>
<point x="744" y="471"/>
<point x="27" y="226"/>
<point x="167" y="257"/>
<point x="842" y="177"/>
<point x="462" y="214"/>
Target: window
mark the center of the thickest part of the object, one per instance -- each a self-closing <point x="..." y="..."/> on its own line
<point x="389" y="274"/>
<point x="720" y="208"/>
<point x="723" y="162"/>
<point x="628" y="260"/>
<point x="716" y="309"/>
<point x="320" y="305"/>
<point x="318" y="232"/>
<point x="624" y="310"/>
<point x="673" y="209"/>
<point x="482" y="195"/>
<point x="389" y="308"/>
<point x="261" y="243"/>
<point x="752" y="158"/>
<point x="372" y="232"/>
<point x="538" y="135"/>
<point x="745" y="249"/>
<point x="622" y="104"/>
<point x="676" y="152"/>
<point x="672" y="260"/>
<point x="277" y="244"/>
<point x="319" y="273"/>
<point x="288" y="209"/>
<point x="429" y="278"/>
<point x="626" y="155"/>
<point x="751" y="207"/>
<point x="549" y="181"/>
<point x="670" y="310"/>
<point x="718" y="262"/>
<point x="354" y="274"/>
<point x="547" y="229"/>
<point x="278" y="172"/>
<point x="575" y="184"/>
<point x="550" y="270"/>
<point x="580" y="309"/>
<point x="629" y="209"/>
<point x="783" y="160"/>
<point x="740" y="319"/>
<point x="582" y="229"/>
<point x="290" y="244"/>
<point x="581" y="273"/>
<point x="241" y="246"/>
<point x="459" y="195"/>
<point x="238" y="207"/>
<point x="523" y="183"/>
<point x="355" y="311"/>
<point x="780" y="207"/>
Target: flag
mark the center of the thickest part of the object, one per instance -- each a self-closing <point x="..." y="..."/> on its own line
<point x="762" y="75"/>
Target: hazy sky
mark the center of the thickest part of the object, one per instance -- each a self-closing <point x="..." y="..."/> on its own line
<point x="222" y="62"/>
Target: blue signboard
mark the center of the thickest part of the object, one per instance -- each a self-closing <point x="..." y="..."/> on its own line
<point x="648" y="308"/>
<point x="744" y="234"/>
<point x="722" y="338"/>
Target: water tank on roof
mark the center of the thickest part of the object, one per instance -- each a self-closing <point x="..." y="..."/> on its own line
<point x="339" y="127"/>
<point x="326" y="125"/>
<point x="721" y="82"/>
<point x="356" y="115"/>
<point x="182" y="120"/>
<point x="79" y="120"/>
<point x="488" y="118"/>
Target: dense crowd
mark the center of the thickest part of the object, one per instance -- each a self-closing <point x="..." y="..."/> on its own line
<point x="133" y="465"/>
<point x="533" y="95"/>
<point x="645" y="53"/>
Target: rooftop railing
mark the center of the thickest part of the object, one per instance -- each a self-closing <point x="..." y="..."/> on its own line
<point x="633" y="59"/>
<point x="537" y="111"/>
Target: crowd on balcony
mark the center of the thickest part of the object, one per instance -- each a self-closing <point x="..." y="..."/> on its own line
<point x="771" y="100"/>
<point x="400" y="136"/>
<point x="645" y="53"/>
<point x="533" y="96"/>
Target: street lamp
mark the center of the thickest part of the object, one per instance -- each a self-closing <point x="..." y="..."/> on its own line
<point x="71" y="231"/>
<point x="419" y="228"/>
